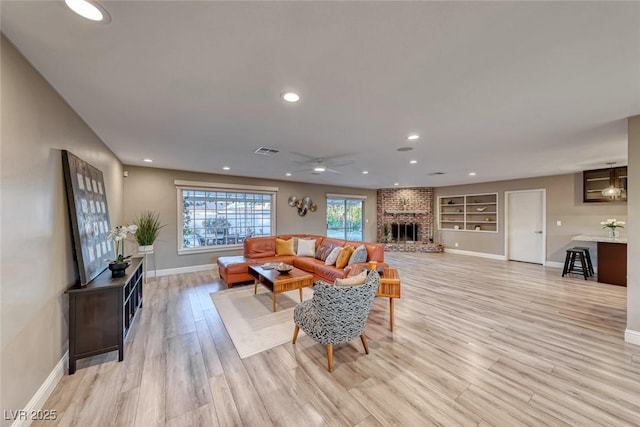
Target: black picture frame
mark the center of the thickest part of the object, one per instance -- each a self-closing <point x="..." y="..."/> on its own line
<point x="89" y="215"/>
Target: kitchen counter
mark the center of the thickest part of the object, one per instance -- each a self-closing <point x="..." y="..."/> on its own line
<point x="586" y="238"/>
<point x="612" y="258"/>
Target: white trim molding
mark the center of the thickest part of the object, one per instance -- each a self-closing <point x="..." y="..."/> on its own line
<point x="44" y="392"/>
<point x="222" y="185"/>
<point x="346" y="196"/>
<point x="477" y="254"/>
<point x="632" y="337"/>
<point x="181" y="270"/>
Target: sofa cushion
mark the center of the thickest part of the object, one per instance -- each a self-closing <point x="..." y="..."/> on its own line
<point x="260" y="247"/>
<point x="322" y="252"/>
<point x="329" y="273"/>
<point x="284" y="247"/>
<point x="306" y="247"/>
<point x="306" y="263"/>
<point x="357" y="280"/>
<point x="343" y="257"/>
<point x="359" y="255"/>
<point x="333" y="256"/>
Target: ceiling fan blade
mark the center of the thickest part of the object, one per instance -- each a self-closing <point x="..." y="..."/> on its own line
<point x="297" y="162"/>
<point x="305" y="156"/>
<point x="333" y="170"/>
<point x="337" y="156"/>
<point x="303" y="170"/>
<point x="345" y="163"/>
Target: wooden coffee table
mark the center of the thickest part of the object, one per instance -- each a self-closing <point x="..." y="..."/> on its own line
<point x="280" y="282"/>
<point x="389" y="288"/>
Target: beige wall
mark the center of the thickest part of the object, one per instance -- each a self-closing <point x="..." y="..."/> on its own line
<point x="37" y="259"/>
<point x="564" y="203"/>
<point x="153" y="188"/>
<point x="633" y="229"/>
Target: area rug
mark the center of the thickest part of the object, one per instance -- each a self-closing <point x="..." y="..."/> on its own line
<point x="250" y="321"/>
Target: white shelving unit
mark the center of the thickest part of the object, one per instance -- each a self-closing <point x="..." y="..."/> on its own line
<point x="469" y="212"/>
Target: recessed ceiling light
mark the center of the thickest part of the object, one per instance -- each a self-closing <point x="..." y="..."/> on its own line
<point x="147" y="160"/>
<point x="365" y="172"/>
<point x="288" y="174"/>
<point x="290" y="96"/>
<point x="472" y="174"/>
<point x="89" y="10"/>
<point x="413" y="137"/>
<point x="396" y="183"/>
<point x="226" y="168"/>
<point x="320" y="168"/>
<point x="405" y="148"/>
<point x="413" y="162"/>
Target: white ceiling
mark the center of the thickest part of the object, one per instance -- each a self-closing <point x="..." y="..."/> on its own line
<point x="505" y="89"/>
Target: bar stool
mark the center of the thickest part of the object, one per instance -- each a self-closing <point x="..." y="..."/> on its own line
<point x="570" y="263"/>
<point x="587" y="256"/>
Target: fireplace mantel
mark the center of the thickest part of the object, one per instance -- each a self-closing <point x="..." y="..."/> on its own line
<point x="408" y="211"/>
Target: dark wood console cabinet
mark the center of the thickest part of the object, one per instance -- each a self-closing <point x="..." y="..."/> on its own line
<point x="102" y="313"/>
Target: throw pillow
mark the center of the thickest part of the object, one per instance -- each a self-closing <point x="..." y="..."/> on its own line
<point x="284" y="247"/>
<point x="306" y="247"/>
<point x="333" y="256"/>
<point x="359" y="255"/>
<point x="357" y="280"/>
<point x="343" y="257"/>
<point x="322" y="252"/>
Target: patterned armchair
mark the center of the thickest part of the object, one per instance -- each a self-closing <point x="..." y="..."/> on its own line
<point x="336" y="314"/>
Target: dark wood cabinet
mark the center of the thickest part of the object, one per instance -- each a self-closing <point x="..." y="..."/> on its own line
<point x="594" y="181"/>
<point x="102" y="313"/>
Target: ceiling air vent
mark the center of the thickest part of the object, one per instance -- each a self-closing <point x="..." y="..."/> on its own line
<point x="435" y="173"/>
<point x="265" y="151"/>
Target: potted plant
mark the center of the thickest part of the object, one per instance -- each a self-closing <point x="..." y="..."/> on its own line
<point x="385" y="233"/>
<point x="148" y="229"/>
<point x="117" y="235"/>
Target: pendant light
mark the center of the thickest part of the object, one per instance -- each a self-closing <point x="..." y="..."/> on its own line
<point x="612" y="191"/>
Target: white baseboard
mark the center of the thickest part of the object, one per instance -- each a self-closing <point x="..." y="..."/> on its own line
<point x="554" y="264"/>
<point x="632" y="337"/>
<point x="478" y="254"/>
<point x="180" y="270"/>
<point x="38" y="400"/>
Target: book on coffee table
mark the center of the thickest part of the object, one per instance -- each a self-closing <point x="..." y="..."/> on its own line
<point x="269" y="265"/>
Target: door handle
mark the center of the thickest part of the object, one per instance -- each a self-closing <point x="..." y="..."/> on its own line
<point x="538" y="231"/>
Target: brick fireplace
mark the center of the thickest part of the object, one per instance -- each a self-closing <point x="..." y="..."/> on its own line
<point x="407" y="211"/>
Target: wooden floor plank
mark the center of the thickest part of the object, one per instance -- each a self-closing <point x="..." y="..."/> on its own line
<point x="476" y="342"/>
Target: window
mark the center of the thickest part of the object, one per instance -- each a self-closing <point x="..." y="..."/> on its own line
<point x="221" y="218"/>
<point x="345" y="217"/>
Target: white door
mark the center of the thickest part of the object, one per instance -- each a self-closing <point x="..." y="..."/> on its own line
<point x="525" y="226"/>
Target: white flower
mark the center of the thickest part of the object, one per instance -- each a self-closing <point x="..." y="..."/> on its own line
<point x="117" y="235"/>
<point x="612" y="223"/>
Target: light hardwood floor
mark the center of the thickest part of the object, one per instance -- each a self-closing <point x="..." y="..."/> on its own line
<point x="477" y="342"/>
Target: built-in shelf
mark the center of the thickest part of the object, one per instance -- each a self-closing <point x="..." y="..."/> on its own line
<point x="469" y="212"/>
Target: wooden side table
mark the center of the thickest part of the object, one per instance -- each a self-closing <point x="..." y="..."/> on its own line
<point x="389" y="288"/>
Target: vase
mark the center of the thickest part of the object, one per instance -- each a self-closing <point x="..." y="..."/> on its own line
<point x="614" y="233"/>
<point x="145" y="249"/>
<point x="118" y="268"/>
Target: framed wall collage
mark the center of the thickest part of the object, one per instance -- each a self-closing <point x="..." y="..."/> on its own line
<point x="89" y="214"/>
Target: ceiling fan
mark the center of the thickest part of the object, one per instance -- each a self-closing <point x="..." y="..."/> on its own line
<point x="318" y="165"/>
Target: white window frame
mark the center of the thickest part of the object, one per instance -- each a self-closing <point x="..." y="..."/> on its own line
<point x="357" y="197"/>
<point x="212" y="187"/>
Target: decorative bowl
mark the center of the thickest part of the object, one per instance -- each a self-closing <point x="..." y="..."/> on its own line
<point x="283" y="268"/>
